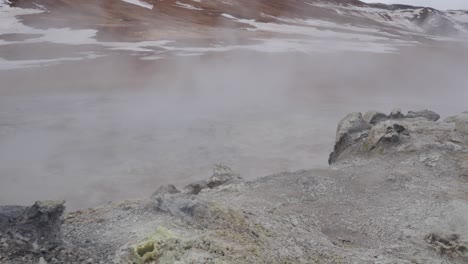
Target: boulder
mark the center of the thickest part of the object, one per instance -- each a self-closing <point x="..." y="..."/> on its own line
<point x="196" y="187"/>
<point x="28" y="229"/>
<point x="461" y="125"/>
<point x="396" y="114"/>
<point x="185" y="205"/>
<point x="460" y="121"/>
<point x="350" y="130"/>
<point x="429" y="115"/>
<point x="387" y="132"/>
<point x="353" y="123"/>
<point x="165" y="189"/>
<point x="181" y="205"/>
<point x="374" y="117"/>
<point x="170" y="200"/>
<point x="221" y="175"/>
<point x="430" y="159"/>
<point x="450" y="245"/>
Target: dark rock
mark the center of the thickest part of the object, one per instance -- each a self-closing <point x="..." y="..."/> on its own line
<point x="221" y="175"/>
<point x="196" y="187"/>
<point x="350" y="130"/>
<point x="449" y="245"/>
<point x="10" y="215"/>
<point x="374" y="117"/>
<point x="396" y="114"/>
<point x="429" y="115"/>
<point x="28" y="229"/>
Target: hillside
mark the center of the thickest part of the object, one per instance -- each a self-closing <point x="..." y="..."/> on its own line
<point x="160" y="29"/>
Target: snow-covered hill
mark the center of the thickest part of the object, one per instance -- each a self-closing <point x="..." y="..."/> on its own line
<point x="157" y="28"/>
<point x="410" y="18"/>
<point x="172" y="13"/>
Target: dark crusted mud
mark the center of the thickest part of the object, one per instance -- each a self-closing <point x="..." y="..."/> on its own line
<point x="396" y="192"/>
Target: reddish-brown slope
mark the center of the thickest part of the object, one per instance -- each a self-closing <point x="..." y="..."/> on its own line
<point x="119" y="20"/>
<point x="116" y="19"/>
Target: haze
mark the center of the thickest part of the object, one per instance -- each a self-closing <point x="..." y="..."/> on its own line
<point x="444" y="5"/>
<point x="90" y="121"/>
<point x="90" y="137"/>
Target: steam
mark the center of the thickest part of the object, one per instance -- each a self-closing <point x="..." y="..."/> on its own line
<point x="117" y="127"/>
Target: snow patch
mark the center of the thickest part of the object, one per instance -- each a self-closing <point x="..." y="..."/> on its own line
<point x="187" y="6"/>
<point x="306" y="30"/>
<point x="458" y="15"/>
<point x="331" y="25"/>
<point x="4" y="3"/>
<point x="397" y="18"/>
<point x="139" y="3"/>
<point x="286" y="46"/>
<point x="229" y="16"/>
<point x="9" y="24"/>
<point x="19" y="64"/>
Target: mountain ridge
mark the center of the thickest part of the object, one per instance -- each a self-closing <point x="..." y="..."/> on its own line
<point x="111" y="15"/>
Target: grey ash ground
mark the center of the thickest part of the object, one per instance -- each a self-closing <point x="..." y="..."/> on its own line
<point x="396" y="192"/>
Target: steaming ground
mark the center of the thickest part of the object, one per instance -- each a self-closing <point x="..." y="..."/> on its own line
<point x="107" y="101"/>
<point x="89" y="136"/>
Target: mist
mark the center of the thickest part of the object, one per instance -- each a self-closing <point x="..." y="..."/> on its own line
<point x="118" y="127"/>
<point x="443" y="5"/>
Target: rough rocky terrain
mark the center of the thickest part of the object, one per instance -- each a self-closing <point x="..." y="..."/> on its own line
<point x="396" y="192"/>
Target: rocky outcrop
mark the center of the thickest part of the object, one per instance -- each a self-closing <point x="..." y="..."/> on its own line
<point x="394" y="183"/>
<point x="395" y="194"/>
<point x="31" y="229"/>
<point x="170" y="200"/>
<point x="185" y="205"/>
<point x="221" y="175"/>
<point x="350" y="129"/>
<point x="429" y="115"/>
<point x="387" y="132"/>
<point x="358" y="136"/>
<point x="396" y="114"/>
<point x="449" y="245"/>
<point x="223" y="229"/>
<point x="182" y="205"/>
<point x="165" y="190"/>
<point x="374" y="117"/>
<point x="228" y="236"/>
<point x="461" y="123"/>
<point x="353" y="123"/>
